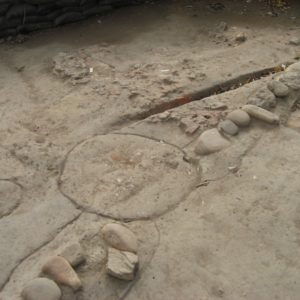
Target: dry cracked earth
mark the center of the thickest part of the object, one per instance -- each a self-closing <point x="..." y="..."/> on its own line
<point x="99" y="124"/>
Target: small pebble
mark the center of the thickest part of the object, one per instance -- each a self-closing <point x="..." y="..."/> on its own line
<point x="59" y="269"/>
<point x="241" y="37"/>
<point x="239" y="117"/>
<point x="233" y="169"/>
<point x="261" y="114"/>
<point x="221" y="27"/>
<point x="295" y="41"/>
<point x="228" y="127"/>
<point x="41" y="289"/>
<point x="120" y="237"/>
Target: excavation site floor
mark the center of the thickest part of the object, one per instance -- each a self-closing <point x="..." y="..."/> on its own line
<point x="149" y="118"/>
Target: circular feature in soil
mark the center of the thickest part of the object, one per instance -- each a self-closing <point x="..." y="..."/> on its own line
<point x="10" y="196"/>
<point x="126" y="177"/>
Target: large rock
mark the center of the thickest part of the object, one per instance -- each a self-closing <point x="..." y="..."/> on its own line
<point x="120" y="237"/>
<point x="239" y="117"/>
<point x="290" y="78"/>
<point x="278" y="88"/>
<point x="210" y="141"/>
<point x="263" y="98"/>
<point x="59" y="269"/>
<point x="121" y="264"/>
<point x="293" y="67"/>
<point x="73" y="253"/>
<point x="261" y="114"/>
<point x="41" y="289"/>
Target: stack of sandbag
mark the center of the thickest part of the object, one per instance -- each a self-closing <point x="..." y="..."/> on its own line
<point x="23" y="16"/>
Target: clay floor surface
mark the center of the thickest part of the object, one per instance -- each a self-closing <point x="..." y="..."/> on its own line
<point x="96" y="126"/>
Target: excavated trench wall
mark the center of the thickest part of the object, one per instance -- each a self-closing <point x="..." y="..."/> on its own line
<point x="23" y="16"/>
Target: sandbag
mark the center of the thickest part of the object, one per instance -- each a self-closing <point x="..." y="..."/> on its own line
<point x="19" y="10"/>
<point x="68" y="18"/>
<point x="46" y="8"/>
<point x="10" y="2"/>
<point x="120" y="3"/>
<point x="35" y="26"/>
<point x="97" y="10"/>
<point x="7" y="32"/>
<point x="33" y="19"/>
<point x="53" y="15"/>
<point x="89" y="4"/>
<point x="12" y="23"/>
<point x="38" y="2"/>
<point x="3" y="8"/>
<point x="71" y="9"/>
<point x="63" y="3"/>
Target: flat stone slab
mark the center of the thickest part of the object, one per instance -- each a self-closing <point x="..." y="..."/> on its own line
<point x="121" y="264"/>
<point x="126" y="177"/>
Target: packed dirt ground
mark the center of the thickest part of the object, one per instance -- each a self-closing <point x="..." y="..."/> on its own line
<point x="102" y="121"/>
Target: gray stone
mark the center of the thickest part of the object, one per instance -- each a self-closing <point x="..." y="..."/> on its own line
<point x="73" y="253"/>
<point x="59" y="269"/>
<point x="228" y="127"/>
<point x="239" y="117"/>
<point x="120" y="237"/>
<point x="121" y="264"/>
<point x="291" y="79"/>
<point x="293" y="67"/>
<point x="210" y="141"/>
<point x="41" y="289"/>
<point x="263" y="98"/>
<point x="261" y="114"/>
<point x="278" y="88"/>
<point x="295" y="41"/>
